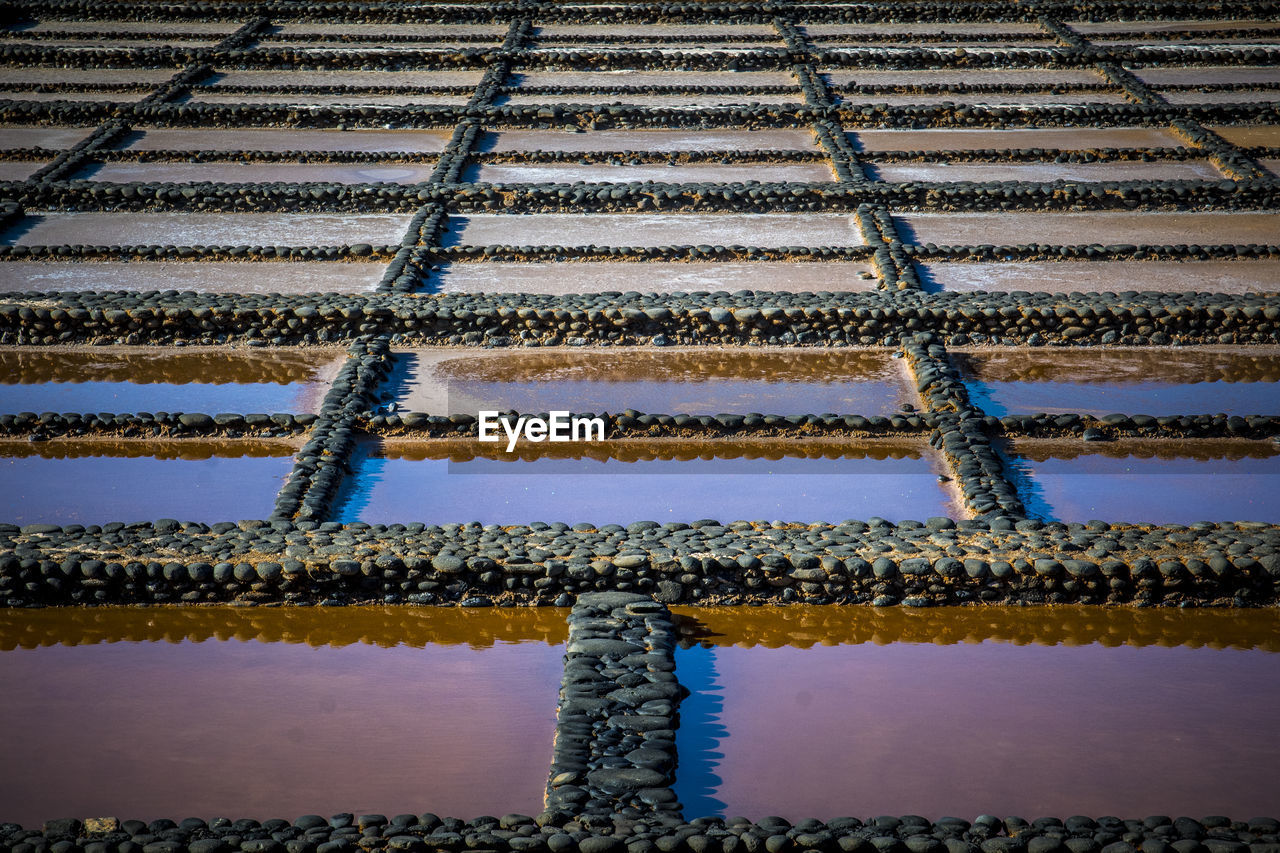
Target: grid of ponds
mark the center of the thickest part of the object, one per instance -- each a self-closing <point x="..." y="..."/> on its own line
<point x="262" y="267"/>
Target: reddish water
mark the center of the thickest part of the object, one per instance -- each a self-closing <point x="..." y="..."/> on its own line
<point x="1133" y="381"/>
<point x="653" y="277"/>
<point x="200" y="276"/>
<point x="94" y="481"/>
<point x="439" y="481"/>
<point x="1169" y="482"/>
<point x="1245" y="276"/>
<point x="295" y="711"/>
<point x="823" y="712"/>
<point x="703" y="381"/>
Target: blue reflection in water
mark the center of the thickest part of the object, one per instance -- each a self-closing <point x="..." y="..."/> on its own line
<point x="700" y="733"/>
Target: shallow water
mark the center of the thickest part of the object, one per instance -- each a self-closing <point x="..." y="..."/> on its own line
<point x="964" y="77"/>
<point x="199" y="276"/>
<point x="1062" y="138"/>
<point x="1246" y="276"/>
<point x="629" y="79"/>
<point x="824" y="711"/>
<point x="608" y="229"/>
<point x="214" y="96"/>
<point x="1104" y="227"/>
<point x="703" y="381"/>
<point x="1189" y="381"/>
<point x="567" y="173"/>
<point x="1202" y="76"/>
<point x="253" y="139"/>
<point x="1249" y="135"/>
<point x="1003" y="99"/>
<point x="1180" y="170"/>
<point x="20" y="170"/>
<point x="207" y="229"/>
<point x="1243" y="96"/>
<point x="1178" y="482"/>
<point x="312" y="77"/>
<point x="648" y="140"/>
<point x="279" y="723"/>
<point x="53" y="138"/>
<point x="240" y="173"/>
<point x="94" y="481"/>
<point x="641" y="99"/>
<point x="660" y="480"/>
<point x="149" y="379"/>
<point x="103" y="97"/>
<point x="593" y="277"/>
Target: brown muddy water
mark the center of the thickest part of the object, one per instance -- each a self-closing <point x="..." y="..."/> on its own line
<point x="199" y="276"/>
<point x="206" y="229"/>
<point x="682" y="229"/>
<point x="567" y="173"/>
<point x="52" y="138"/>
<point x="1102" y="227"/>
<point x="95" y="481"/>
<point x="650" y="277"/>
<point x="624" y="481"/>
<point x="1154" y="482"/>
<point x="251" y="139"/>
<point x="702" y="381"/>
<point x="1246" y="276"/>
<point x="149" y="379"/>
<point x="809" y="711"/>
<point x="1046" y="171"/>
<point x="1211" y="75"/>
<point x="296" y="710"/>
<point x="1250" y="135"/>
<point x="648" y="140"/>
<point x="1187" y="381"/>
<point x="1061" y="138"/>
<point x="244" y="173"/>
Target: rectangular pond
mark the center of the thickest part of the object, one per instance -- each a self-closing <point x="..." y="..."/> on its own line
<point x="250" y="173"/>
<point x="809" y="711"/>
<point x="1206" y="76"/>
<point x="1060" y="138"/>
<point x="199" y="276"/>
<point x="270" y="139"/>
<point x="1029" y="77"/>
<point x="1045" y="171"/>
<point x="95" y="481"/>
<point x="995" y="100"/>
<point x="266" y="78"/>
<point x="609" y="80"/>
<point x="214" y="96"/>
<point x="648" y="277"/>
<point x="669" y="380"/>
<point x="680" y="173"/>
<point x="20" y="170"/>
<point x="647" y="140"/>
<point x="1250" y="135"/>
<point x="642" y="99"/>
<point x="624" y="481"/>
<point x="1106" y="227"/>
<point x="1240" y="276"/>
<point x="206" y="229"/>
<point x="280" y="721"/>
<point x="676" y="229"/>
<point x="1153" y="482"/>
<point x="1147" y="380"/>
<point x="50" y="138"/>
<point x="149" y="379"/>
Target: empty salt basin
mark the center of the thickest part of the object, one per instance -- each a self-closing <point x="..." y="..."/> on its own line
<point x="279" y="721"/>
<point x="206" y="229"/>
<point x="94" y="481"/>
<point x="677" y="173"/>
<point x="1188" y="381"/>
<point x="1237" y="276"/>
<point x="647" y="140"/>
<point x="1096" y="227"/>
<point x="1044" y="171"/>
<point x="1061" y="138"/>
<point x="366" y="79"/>
<point x="20" y="170"/>
<point x="49" y="138"/>
<point x="624" y="481"/>
<point x="681" y="229"/>
<point x="701" y="381"/>
<point x="201" y="276"/>
<point x="642" y="99"/>
<point x="149" y="379"/>
<point x="1153" y="482"/>
<point x="1205" y="76"/>
<point x="1250" y="135"/>
<point x="264" y="139"/>
<point x="648" y="277"/>
<point x="244" y="173"/>
<point x="807" y="711"/>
